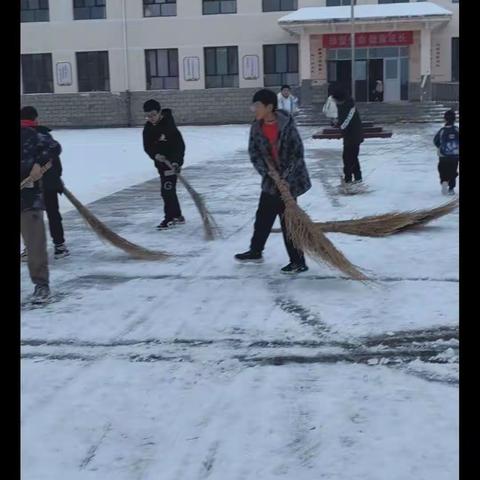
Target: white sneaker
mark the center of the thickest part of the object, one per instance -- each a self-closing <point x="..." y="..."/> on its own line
<point x="444" y="188"/>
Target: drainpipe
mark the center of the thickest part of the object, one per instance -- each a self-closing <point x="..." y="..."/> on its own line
<point x="352" y="43"/>
<point x="125" y="59"/>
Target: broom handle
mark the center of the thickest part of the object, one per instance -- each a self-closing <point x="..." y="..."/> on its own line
<point x="169" y="165"/>
<point x="28" y="180"/>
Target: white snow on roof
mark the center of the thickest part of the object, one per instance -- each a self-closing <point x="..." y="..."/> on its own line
<point x="325" y="14"/>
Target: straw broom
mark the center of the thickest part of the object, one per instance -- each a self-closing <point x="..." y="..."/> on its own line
<point x="209" y="223"/>
<point x="385" y="224"/>
<point x="135" y="251"/>
<point x="306" y="236"/>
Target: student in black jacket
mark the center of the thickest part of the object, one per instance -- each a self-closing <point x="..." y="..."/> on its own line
<point x="52" y="186"/>
<point x="163" y="141"/>
<point x="447" y="140"/>
<point x="350" y="124"/>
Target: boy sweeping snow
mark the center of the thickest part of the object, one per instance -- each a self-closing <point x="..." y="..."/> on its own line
<point x="162" y="140"/>
<point x="275" y="138"/>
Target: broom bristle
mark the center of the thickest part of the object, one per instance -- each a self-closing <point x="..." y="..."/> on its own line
<point x="135" y="251"/>
<point x="387" y="223"/>
<point x="306" y="236"/>
<point x="209" y="223"/>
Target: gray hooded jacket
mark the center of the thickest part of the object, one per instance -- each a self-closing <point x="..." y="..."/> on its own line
<point x="290" y="155"/>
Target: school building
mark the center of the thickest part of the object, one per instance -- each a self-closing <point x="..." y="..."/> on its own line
<point x="94" y="62"/>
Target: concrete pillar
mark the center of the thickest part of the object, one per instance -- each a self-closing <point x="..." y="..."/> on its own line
<point x="304" y="57"/>
<point x="305" y="69"/>
<point x="425" y="64"/>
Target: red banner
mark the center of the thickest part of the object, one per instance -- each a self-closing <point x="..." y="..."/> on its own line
<point x="368" y="39"/>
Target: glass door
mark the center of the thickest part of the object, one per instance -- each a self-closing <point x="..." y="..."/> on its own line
<point x="391" y="77"/>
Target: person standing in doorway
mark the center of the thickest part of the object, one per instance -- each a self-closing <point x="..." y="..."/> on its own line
<point x="287" y="101"/>
<point x="350" y="125"/>
<point x="163" y="141"/>
<point x="378" y="92"/>
<point x="274" y="137"/>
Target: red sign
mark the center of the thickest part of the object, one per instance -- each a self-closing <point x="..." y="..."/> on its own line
<point x="368" y="39"/>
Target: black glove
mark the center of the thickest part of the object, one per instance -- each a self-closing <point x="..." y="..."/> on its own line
<point x="176" y="167"/>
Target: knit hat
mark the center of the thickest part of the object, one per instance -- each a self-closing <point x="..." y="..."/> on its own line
<point x="28" y="113"/>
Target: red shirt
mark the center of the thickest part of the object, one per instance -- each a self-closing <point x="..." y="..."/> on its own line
<point x="270" y="130"/>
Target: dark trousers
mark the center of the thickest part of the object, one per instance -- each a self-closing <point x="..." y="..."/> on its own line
<point x="269" y="207"/>
<point x="351" y="165"/>
<point x="54" y="218"/>
<point x="447" y="168"/>
<point x="168" y="190"/>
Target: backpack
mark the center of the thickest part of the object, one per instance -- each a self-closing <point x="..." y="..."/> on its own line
<point x="450" y="142"/>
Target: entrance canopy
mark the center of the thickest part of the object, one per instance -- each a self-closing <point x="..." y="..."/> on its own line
<point x="425" y="12"/>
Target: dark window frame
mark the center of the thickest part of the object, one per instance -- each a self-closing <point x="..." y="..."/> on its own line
<point x="455" y="56"/>
<point x="161" y="11"/>
<point x="37" y="81"/>
<point x="382" y="2"/>
<point x="149" y="76"/>
<point x="81" y="6"/>
<point x="338" y="3"/>
<point x="220" y="4"/>
<point x="89" y="80"/>
<point x="283" y="5"/>
<point x="40" y="14"/>
<point x="233" y="75"/>
<point x="275" y="71"/>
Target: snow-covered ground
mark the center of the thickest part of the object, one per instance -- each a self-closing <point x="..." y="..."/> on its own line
<point x="199" y="367"/>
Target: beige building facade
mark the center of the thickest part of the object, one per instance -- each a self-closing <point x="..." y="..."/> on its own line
<point x="79" y="46"/>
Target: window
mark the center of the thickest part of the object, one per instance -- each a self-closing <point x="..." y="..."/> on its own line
<point x="34" y="11"/>
<point x="162" y="69"/>
<point x="455" y="63"/>
<point x="37" y="73"/>
<point x="279" y="5"/>
<point x="221" y="67"/>
<point x="88" y="9"/>
<point x="280" y="64"/>
<point x="159" y="8"/>
<point x="213" y="7"/>
<point x="93" y="73"/>
<point x="338" y="3"/>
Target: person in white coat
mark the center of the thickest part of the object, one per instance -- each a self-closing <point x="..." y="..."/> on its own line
<point x="330" y="109"/>
<point x="286" y="101"/>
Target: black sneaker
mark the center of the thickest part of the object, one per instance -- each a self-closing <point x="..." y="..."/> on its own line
<point x="41" y="294"/>
<point x="60" y="251"/>
<point x="165" y="224"/>
<point x="294" y="268"/>
<point x="24" y="255"/>
<point x="179" y="220"/>
<point x="249" y="256"/>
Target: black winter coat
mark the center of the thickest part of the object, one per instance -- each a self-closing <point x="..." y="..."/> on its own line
<point x="165" y="139"/>
<point x="290" y="155"/>
<point x="349" y="122"/>
<point x="36" y="147"/>
<point x="51" y="179"/>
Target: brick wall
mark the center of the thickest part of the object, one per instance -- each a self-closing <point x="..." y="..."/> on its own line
<point x="99" y="109"/>
<point x="105" y="109"/>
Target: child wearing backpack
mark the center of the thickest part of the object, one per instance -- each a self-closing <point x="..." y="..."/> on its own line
<point x="447" y="140"/>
